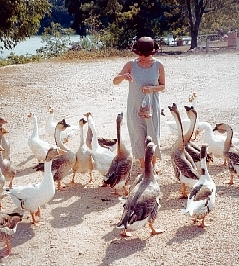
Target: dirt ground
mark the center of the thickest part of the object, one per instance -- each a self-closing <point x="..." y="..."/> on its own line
<point x="80" y="223"/>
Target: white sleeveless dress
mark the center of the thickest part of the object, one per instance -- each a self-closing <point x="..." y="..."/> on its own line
<point x="139" y="128"/>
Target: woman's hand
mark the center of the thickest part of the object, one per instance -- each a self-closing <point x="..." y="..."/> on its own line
<point x="147" y="89"/>
<point x="128" y="77"/>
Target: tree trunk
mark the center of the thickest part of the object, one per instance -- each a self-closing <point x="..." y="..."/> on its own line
<point x="194" y="39"/>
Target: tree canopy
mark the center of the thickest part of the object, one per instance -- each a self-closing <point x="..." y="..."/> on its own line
<point x="117" y="21"/>
<point x="193" y="13"/>
<point x="20" y="19"/>
<point x="125" y="18"/>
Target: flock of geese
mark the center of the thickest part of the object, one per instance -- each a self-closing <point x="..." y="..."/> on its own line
<point x="113" y="160"/>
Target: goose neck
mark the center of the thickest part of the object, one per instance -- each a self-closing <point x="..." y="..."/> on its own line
<point x="1" y="156"/>
<point x="81" y="135"/>
<point x="35" y="127"/>
<point x="118" y="138"/>
<point x="148" y="165"/>
<point x="47" y="173"/>
<point x="180" y="140"/>
<point x="228" y="140"/>
<point x="189" y="133"/>
<point x="58" y="140"/>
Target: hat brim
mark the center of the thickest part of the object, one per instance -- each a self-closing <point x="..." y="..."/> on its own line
<point x="144" y="53"/>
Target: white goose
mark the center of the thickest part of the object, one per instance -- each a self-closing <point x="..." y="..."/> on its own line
<point x="6" y="167"/>
<point x="108" y="143"/>
<point x="119" y="172"/>
<point x="50" y="126"/>
<point x="2" y="183"/>
<point x="230" y="151"/>
<point x="142" y="203"/>
<point x="102" y="156"/>
<point x="38" y="146"/>
<point x="202" y="197"/>
<point x="215" y="141"/>
<point x="32" y="196"/>
<point x="185" y="122"/>
<point x="84" y="162"/>
<point x="5" y="143"/>
<point x="184" y="167"/>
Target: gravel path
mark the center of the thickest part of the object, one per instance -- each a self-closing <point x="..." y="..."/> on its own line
<point x="80" y="222"/>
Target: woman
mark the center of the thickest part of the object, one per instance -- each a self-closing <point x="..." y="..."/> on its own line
<point x="145" y="75"/>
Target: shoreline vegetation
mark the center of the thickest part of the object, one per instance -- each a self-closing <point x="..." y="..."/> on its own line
<point x="91" y="54"/>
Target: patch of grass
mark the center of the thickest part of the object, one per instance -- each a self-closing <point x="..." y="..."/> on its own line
<point x="94" y="54"/>
<point x="13" y="59"/>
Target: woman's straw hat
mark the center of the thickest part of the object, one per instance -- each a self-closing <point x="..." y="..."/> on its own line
<point x="145" y="46"/>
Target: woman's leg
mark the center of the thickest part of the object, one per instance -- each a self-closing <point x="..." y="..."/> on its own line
<point x="154" y="159"/>
<point x="141" y="162"/>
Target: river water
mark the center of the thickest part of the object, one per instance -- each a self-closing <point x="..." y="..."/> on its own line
<point x="29" y="46"/>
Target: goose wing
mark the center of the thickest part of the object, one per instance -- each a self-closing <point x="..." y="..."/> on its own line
<point x="200" y="192"/>
<point x="185" y="167"/>
<point x="119" y="170"/>
<point x="143" y="204"/>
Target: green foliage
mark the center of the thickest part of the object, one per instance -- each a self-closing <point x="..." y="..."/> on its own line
<point x="20" y="19"/>
<point x="223" y="16"/>
<point x="56" y="41"/>
<point x="213" y="13"/>
<point x="95" y="54"/>
<point x="13" y="59"/>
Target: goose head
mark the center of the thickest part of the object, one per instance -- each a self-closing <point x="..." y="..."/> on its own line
<point x="147" y="141"/>
<point x="3" y="130"/>
<point x="174" y="111"/>
<point x="90" y="120"/>
<point x="119" y="119"/>
<point x="192" y="97"/>
<point x="53" y="152"/>
<point x="191" y="112"/>
<point x="82" y="122"/>
<point x="62" y="125"/>
<point x="88" y="114"/>
<point x="221" y="128"/>
<point x="51" y="109"/>
<point x="150" y="149"/>
<point x="30" y="115"/>
<point x="10" y="220"/>
<point x="3" y="121"/>
<point x="149" y="152"/>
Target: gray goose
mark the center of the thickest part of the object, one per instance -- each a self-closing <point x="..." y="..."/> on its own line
<point x="184" y="167"/>
<point x="142" y="203"/>
<point x="231" y="151"/>
<point x="63" y="164"/>
<point x="191" y="147"/>
<point x="120" y="169"/>
<point x="8" y="227"/>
